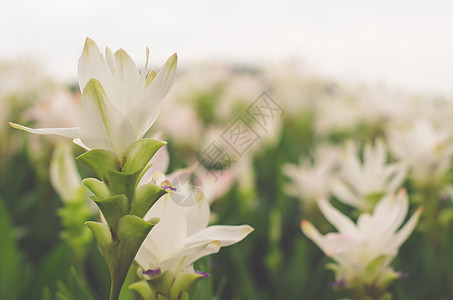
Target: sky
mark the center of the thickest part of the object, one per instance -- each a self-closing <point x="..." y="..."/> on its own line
<point x="406" y="43"/>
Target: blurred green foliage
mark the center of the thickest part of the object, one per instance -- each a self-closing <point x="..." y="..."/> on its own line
<point x="275" y="262"/>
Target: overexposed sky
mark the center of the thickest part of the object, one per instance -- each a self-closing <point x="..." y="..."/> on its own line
<point x="404" y="43"/>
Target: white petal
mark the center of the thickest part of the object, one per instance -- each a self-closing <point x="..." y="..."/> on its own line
<point x="169" y="235"/>
<point x="145" y="113"/>
<point x="79" y="142"/>
<point x="101" y="125"/>
<point x="337" y="219"/>
<point x="389" y="214"/>
<point x="311" y="232"/>
<point x="212" y="247"/>
<point x="197" y="217"/>
<point x="146" y="258"/>
<point x="351" y="166"/>
<point x="188" y="256"/>
<point x="142" y="80"/>
<point x="67" y="132"/>
<point x="407" y="229"/>
<point x="126" y="82"/>
<point x="226" y="235"/>
<point x="400" y="172"/>
<point x="64" y="176"/>
<point x="110" y="61"/>
<point x="335" y="243"/>
<point x="93" y="66"/>
<point x="343" y="194"/>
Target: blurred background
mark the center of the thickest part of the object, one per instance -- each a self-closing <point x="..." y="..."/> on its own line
<point x="332" y="72"/>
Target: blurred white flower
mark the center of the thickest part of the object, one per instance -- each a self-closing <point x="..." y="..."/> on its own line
<point x="64" y="176"/>
<point x="377" y="104"/>
<point x="424" y="148"/>
<point x="364" y="251"/>
<point x="57" y="109"/>
<point x="118" y="104"/>
<point x="362" y="184"/>
<point x="336" y="113"/>
<point x="181" y="123"/>
<point x="21" y="79"/>
<point x="311" y="180"/>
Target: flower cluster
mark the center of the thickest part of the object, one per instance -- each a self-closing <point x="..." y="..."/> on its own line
<point x="118" y="106"/>
<point x="363" y="251"/>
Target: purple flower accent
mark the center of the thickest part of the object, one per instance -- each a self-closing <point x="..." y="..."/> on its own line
<point x="204" y="274"/>
<point x="152" y="273"/>
<point x="338" y="284"/>
<point x="403" y="275"/>
<point x="165" y="187"/>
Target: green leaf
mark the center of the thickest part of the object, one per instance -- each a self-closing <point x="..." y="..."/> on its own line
<point x="373" y="268"/>
<point x="139" y="154"/>
<point x="143" y="289"/>
<point x="184" y="296"/>
<point x="145" y="197"/>
<point x="9" y="258"/>
<point x="131" y="233"/>
<point x="113" y="208"/>
<point x="103" y="236"/>
<point x="123" y="183"/>
<point x="182" y="283"/>
<point x="97" y="187"/>
<point x="162" y="283"/>
<point x="100" y="161"/>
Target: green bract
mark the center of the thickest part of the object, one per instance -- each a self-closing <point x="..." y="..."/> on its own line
<point x="166" y="286"/>
<point x="122" y="204"/>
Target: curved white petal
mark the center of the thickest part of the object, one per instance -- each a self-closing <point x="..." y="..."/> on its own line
<point x="335" y="243"/>
<point x="400" y="173"/>
<point x="64" y="176"/>
<point x="407" y="229"/>
<point x="110" y="61"/>
<point x="92" y="65"/>
<point x="187" y="256"/>
<point x="145" y="113"/>
<point x="66" y="132"/>
<point x="101" y="125"/>
<point x="197" y="216"/>
<point x="211" y="248"/>
<point x="126" y="82"/>
<point x="146" y="258"/>
<point x="336" y="218"/>
<point x="312" y="233"/>
<point x="226" y="235"/>
<point x="169" y="235"/>
<point x="389" y="214"/>
<point x="343" y="194"/>
<point x="79" y="142"/>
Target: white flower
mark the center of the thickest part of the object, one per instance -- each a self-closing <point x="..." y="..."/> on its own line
<point x="356" y="246"/>
<point x="64" y="176"/>
<point x="182" y="236"/>
<point x="362" y="184"/>
<point x="118" y="104"/>
<point x="424" y="148"/>
<point x="311" y="181"/>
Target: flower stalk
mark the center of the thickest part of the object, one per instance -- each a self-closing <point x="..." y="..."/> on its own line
<point x="121" y="204"/>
